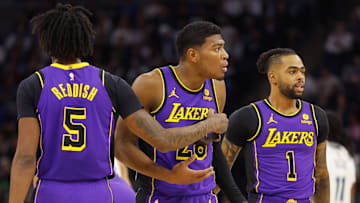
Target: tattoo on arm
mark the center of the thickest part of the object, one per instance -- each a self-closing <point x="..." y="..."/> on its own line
<point x="165" y="139"/>
<point x="322" y="185"/>
<point x="230" y="151"/>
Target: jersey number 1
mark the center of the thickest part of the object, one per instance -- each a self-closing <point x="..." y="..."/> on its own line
<point x="291" y="176"/>
<point x="77" y="129"/>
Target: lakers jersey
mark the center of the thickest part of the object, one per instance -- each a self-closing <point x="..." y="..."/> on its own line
<point x="77" y="123"/>
<point x="283" y="152"/>
<point x="181" y="106"/>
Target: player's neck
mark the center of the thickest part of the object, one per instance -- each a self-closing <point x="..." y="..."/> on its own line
<point x="190" y="78"/>
<point x="282" y="103"/>
<point x="66" y="61"/>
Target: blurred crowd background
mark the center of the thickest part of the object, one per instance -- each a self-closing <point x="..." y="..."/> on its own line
<point x="135" y="36"/>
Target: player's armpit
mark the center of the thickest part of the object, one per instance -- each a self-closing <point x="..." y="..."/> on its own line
<point x="230" y="151"/>
<point x="322" y="184"/>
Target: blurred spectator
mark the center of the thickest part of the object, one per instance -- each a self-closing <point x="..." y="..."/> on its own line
<point x="338" y="45"/>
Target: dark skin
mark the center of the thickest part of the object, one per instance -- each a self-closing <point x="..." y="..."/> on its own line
<point x="139" y="123"/>
<point x="199" y="64"/>
<point x="288" y="73"/>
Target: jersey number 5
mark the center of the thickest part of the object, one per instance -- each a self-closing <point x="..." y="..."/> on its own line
<point x="77" y="129"/>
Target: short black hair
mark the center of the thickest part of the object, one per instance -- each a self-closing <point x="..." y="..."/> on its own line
<point x="194" y="34"/>
<point x="267" y="57"/>
<point x="65" y="32"/>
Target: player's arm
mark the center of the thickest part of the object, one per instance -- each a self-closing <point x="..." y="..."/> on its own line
<point x="23" y="164"/>
<point x="165" y="140"/>
<point x="322" y="184"/>
<point x="244" y="125"/>
<point x="127" y="151"/>
<point x="223" y="176"/>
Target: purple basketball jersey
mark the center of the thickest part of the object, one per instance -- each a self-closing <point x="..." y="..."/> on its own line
<point x="183" y="107"/>
<point x="284" y="152"/>
<point x="77" y="123"/>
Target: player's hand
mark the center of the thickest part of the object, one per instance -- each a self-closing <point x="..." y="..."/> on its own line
<point x="182" y="174"/>
<point x="218" y="122"/>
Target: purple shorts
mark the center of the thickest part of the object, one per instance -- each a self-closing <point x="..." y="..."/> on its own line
<point x="106" y="191"/>
<point x="260" y="198"/>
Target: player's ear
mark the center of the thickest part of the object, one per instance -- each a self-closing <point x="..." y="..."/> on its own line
<point x="272" y="77"/>
<point x="193" y="55"/>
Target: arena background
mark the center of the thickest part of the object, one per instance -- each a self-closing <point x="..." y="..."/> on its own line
<point x="134" y="36"/>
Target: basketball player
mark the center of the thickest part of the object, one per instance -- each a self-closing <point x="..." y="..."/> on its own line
<point x="67" y="110"/>
<point x="341" y="165"/>
<point x="283" y="137"/>
<point x="180" y="96"/>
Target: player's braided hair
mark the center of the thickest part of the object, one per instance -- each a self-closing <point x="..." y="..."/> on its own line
<point x="194" y="34"/>
<point x="267" y="57"/>
<point x="65" y="32"/>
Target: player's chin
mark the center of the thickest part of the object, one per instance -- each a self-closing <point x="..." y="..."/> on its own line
<point x="220" y="76"/>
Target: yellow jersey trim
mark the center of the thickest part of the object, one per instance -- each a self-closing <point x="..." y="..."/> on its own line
<point x="111" y="192"/>
<point x="111" y="124"/>
<point x="259" y="124"/>
<point x="182" y="84"/>
<point x="152" y="180"/>
<point x="103" y="77"/>
<point x="40" y="78"/>
<point x="37" y="190"/>
<point x="70" y="66"/>
<point x="317" y="133"/>
<point x="40" y="144"/>
<point x="283" y="114"/>
<point x="163" y="95"/>
<point x="257" y="169"/>
<point x="261" y="197"/>
<point x="316" y="122"/>
<point x="215" y="95"/>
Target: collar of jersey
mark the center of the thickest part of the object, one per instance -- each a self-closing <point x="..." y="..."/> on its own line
<point x="182" y="84"/>
<point x="283" y="114"/>
<point x="70" y="66"/>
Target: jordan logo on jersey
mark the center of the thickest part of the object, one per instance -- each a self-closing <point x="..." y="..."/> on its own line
<point x="271" y="119"/>
<point x="206" y="95"/>
<point x="173" y="94"/>
<point x="306" y="119"/>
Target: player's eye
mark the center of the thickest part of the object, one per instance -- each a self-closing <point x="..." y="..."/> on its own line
<point x="217" y="49"/>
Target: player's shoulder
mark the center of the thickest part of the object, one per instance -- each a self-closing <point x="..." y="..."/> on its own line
<point x="245" y="111"/>
<point x="149" y="79"/>
<point x="32" y="80"/>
